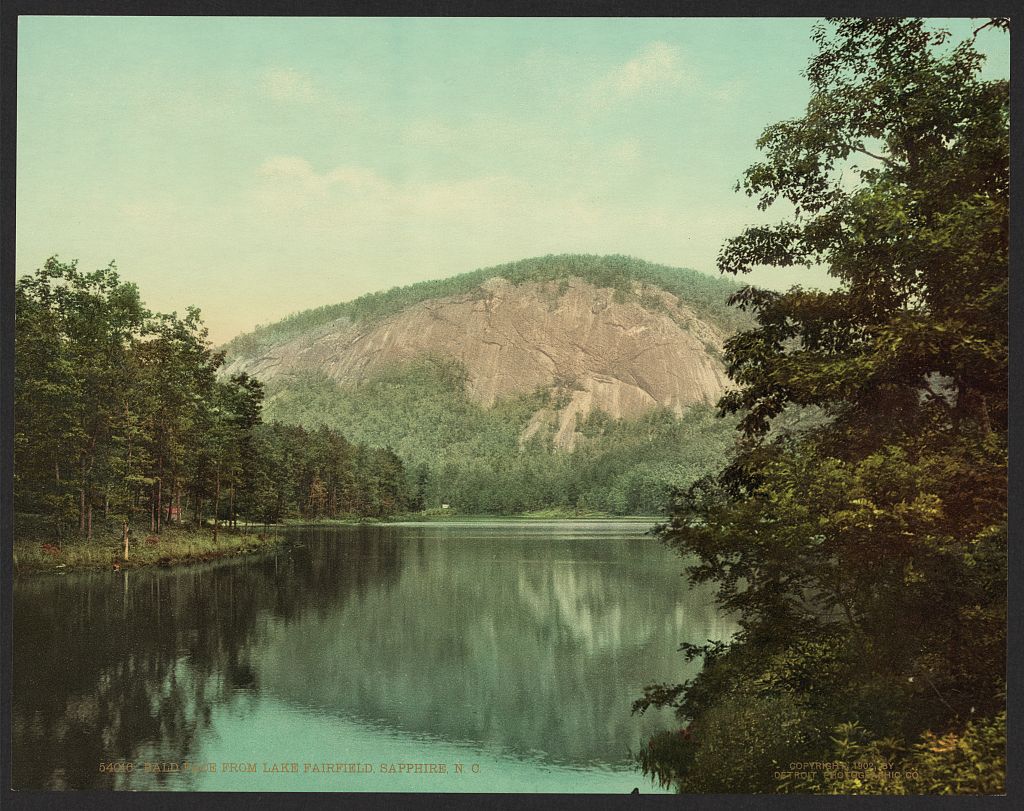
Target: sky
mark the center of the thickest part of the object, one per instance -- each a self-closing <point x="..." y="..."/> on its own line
<point x="256" y="167"/>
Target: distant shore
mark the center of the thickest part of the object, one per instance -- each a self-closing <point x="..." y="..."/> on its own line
<point x="441" y="517"/>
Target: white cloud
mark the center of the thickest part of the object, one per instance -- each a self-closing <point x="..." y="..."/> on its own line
<point x="728" y="92"/>
<point x="288" y="84"/>
<point x="658" y="65"/>
<point x="657" y="68"/>
<point x="359" y="198"/>
<point x="353" y="211"/>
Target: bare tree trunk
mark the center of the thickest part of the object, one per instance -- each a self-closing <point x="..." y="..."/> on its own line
<point x="58" y="520"/>
<point x="124" y="530"/>
<point x="160" y="496"/>
<point x="216" y="505"/>
<point x="89" y="521"/>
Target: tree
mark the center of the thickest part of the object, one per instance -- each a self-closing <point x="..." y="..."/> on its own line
<point x="87" y="321"/>
<point x="865" y="556"/>
<point x="44" y="389"/>
<point x="177" y="369"/>
<point x="127" y="410"/>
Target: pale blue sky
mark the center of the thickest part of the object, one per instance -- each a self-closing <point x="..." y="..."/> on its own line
<point x="260" y="166"/>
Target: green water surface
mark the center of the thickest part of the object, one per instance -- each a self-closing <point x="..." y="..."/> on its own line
<point x="471" y="656"/>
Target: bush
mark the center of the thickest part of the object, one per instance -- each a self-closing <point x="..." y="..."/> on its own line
<point x="740" y="745"/>
<point x="972" y="761"/>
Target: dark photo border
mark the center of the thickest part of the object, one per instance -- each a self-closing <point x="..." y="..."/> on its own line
<point x="108" y="800"/>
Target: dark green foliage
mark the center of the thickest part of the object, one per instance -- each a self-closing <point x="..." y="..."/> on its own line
<point x="474" y="458"/>
<point x="865" y="556"/>
<point x="706" y="294"/>
<point x="120" y="417"/>
<point x="420" y="410"/>
<point x="320" y="474"/>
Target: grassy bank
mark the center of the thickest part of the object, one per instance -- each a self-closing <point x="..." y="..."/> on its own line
<point x="35" y="553"/>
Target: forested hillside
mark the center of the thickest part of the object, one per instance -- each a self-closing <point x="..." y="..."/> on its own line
<point x="475" y="458"/>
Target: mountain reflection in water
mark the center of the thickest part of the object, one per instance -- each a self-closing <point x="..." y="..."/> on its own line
<point x="516" y="645"/>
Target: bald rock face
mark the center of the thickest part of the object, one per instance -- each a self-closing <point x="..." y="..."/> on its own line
<point x="621" y="354"/>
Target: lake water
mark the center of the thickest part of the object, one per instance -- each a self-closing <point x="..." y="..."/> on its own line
<point x="506" y="653"/>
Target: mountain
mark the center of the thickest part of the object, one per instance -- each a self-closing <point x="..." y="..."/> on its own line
<point x="555" y="356"/>
<point x="619" y="335"/>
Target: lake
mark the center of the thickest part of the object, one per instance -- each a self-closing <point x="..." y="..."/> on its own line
<point x="490" y="656"/>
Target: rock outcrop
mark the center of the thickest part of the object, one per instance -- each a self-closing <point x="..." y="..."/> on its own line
<point x="623" y="354"/>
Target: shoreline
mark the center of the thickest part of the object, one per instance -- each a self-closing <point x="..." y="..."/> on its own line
<point x="181" y="547"/>
<point x="173" y="547"/>
<point x="420" y="518"/>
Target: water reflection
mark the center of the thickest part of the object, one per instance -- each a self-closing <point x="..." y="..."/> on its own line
<point x="528" y="640"/>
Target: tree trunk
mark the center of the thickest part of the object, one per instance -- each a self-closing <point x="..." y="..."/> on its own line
<point x="159" y="496"/>
<point x="124" y="530"/>
<point x="89" y="521"/>
<point x="58" y="521"/>
<point x="216" y="505"/>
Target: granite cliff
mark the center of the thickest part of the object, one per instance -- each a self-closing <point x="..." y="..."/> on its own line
<point x="623" y="345"/>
